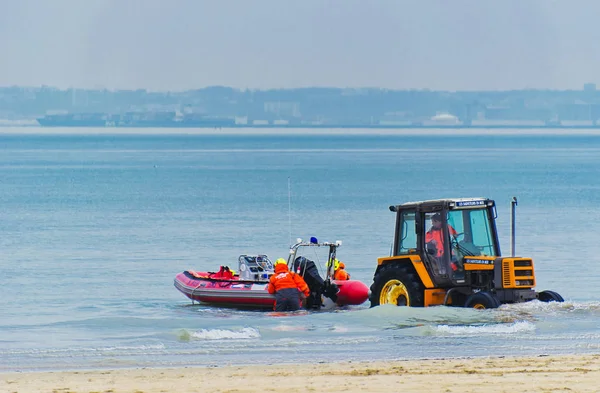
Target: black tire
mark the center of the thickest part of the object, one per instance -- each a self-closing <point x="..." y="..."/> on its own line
<point x="482" y="300"/>
<point x="400" y="280"/>
<point x="549" y="296"/>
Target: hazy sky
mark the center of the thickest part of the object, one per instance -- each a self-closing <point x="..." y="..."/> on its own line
<point x="185" y="44"/>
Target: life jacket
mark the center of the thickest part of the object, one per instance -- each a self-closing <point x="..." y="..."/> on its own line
<point x="341" y="275"/>
<point x="198" y="275"/>
<point x="224" y="273"/>
<point x="283" y="278"/>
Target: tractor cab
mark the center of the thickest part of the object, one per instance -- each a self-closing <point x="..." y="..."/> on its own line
<point x="444" y="233"/>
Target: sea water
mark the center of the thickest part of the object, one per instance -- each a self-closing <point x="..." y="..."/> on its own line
<point x="94" y="226"/>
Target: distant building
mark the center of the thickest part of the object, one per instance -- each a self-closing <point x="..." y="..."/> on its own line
<point x="444" y="118"/>
<point x="574" y="111"/>
<point x="286" y="109"/>
<point x="589" y="87"/>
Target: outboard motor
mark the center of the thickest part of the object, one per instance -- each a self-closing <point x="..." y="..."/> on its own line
<point x="308" y="270"/>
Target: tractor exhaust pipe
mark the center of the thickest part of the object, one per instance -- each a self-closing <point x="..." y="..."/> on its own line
<point x="513" y="206"/>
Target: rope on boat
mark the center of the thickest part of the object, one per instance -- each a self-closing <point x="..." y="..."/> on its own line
<point x="194" y="290"/>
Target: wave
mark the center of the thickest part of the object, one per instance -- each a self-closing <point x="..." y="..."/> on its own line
<point x="219" y="334"/>
<point x="489" y="329"/>
<point x="83" y="351"/>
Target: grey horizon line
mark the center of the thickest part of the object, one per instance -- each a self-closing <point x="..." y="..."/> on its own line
<point x="418" y="89"/>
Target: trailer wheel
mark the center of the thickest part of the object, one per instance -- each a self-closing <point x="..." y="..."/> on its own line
<point x="398" y="285"/>
<point x="550" y="296"/>
<point x="482" y="300"/>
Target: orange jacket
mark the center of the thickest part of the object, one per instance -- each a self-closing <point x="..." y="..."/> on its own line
<point x="438" y="235"/>
<point x="341" y="275"/>
<point x="283" y="278"/>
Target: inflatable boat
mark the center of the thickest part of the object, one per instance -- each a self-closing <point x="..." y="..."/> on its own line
<point x="247" y="287"/>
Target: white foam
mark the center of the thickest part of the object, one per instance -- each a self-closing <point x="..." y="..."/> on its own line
<point x="517" y="327"/>
<point x="536" y="309"/>
<point x="339" y="329"/>
<point x="218" y="334"/>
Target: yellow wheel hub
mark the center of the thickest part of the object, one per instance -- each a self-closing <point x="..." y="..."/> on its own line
<point x="479" y="306"/>
<point x="394" y="292"/>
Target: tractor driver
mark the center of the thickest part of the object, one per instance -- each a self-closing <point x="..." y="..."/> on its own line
<point x="434" y="237"/>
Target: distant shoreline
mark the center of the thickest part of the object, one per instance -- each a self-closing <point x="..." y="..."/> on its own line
<point x="282" y="131"/>
<point x="332" y="126"/>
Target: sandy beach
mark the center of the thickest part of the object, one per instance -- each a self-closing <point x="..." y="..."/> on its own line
<point x="572" y="373"/>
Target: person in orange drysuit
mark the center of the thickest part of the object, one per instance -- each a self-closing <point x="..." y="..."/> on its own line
<point x="435" y="235"/>
<point x="288" y="287"/>
<point x="339" y="272"/>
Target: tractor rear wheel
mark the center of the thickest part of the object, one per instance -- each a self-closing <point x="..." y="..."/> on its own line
<point x="398" y="285"/>
<point x="550" y="296"/>
<point x="482" y="300"/>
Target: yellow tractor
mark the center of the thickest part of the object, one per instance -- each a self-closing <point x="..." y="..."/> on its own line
<point x="446" y="252"/>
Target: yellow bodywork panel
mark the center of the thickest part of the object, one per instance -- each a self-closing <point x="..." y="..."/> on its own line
<point x="518" y="273"/>
<point x="479" y="263"/>
<point x="435" y="297"/>
<point x="416" y="261"/>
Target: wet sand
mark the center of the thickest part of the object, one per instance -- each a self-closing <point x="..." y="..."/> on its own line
<point x="570" y="373"/>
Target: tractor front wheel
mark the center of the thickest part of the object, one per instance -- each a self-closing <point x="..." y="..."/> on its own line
<point x="549" y="296"/>
<point x="398" y="285"/>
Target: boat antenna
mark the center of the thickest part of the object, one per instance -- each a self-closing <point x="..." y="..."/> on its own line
<point x="290" y="209"/>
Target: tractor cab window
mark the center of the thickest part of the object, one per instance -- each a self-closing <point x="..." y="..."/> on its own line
<point x="407" y="243"/>
<point x="474" y="234"/>
<point x="455" y="219"/>
<point x="483" y="238"/>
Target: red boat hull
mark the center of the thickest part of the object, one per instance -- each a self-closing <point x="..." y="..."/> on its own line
<point x="253" y="294"/>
